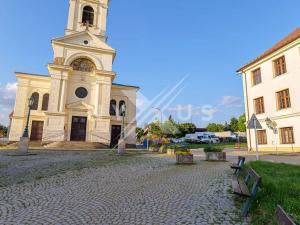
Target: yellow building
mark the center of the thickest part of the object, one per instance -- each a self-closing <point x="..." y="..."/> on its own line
<point x="78" y="100"/>
<point x="271" y="90"/>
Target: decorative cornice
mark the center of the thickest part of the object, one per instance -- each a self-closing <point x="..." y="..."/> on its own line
<point x="32" y="76"/>
<point x="86" y="48"/>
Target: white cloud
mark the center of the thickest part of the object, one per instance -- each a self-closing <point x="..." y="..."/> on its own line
<point x="186" y="112"/>
<point x="141" y="101"/>
<point x="231" y="101"/>
<point x="7" y="98"/>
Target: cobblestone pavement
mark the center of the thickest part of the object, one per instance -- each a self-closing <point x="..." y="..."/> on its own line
<point x="149" y="189"/>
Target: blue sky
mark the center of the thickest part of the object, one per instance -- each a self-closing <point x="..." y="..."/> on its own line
<point x="159" y="42"/>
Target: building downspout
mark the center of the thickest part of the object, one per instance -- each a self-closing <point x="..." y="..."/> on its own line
<point x="247" y="109"/>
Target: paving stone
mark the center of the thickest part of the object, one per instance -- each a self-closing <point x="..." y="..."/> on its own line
<point x="147" y="190"/>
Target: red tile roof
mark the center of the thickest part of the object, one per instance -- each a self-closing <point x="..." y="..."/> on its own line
<point x="287" y="40"/>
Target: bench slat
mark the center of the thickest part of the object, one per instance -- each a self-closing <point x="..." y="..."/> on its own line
<point x="240" y="188"/>
<point x="244" y="188"/>
<point x="283" y="218"/>
<point x="236" y="186"/>
<point x="254" y="175"/>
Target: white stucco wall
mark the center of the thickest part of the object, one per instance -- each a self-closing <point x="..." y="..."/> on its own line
<point x="270" y="85"/>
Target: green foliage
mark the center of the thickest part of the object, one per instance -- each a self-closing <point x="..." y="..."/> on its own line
<point x="221" y="145"/>
<point x="139" y="133"/>
<point x="179" y="148"/>
<point x="234" y="124"/>
<point x="280" y="186"/>
<point x="163" y="148"/>
<point x="186" y="128"/>
<point x="170" y="128"/>
<point x="155" y="129"/>
<point x="3" y="131"/>
<point x="213" y="149"/>
<point x="155" y="145"/>
<point x="242" y="123"/>
<point x="214" y="127"/>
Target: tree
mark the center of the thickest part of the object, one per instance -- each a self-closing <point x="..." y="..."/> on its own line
<point x="227" y="126"/>
<point x="214" y="127"/>
<point x="242" y="123"/>
<point x="170" y="128"/>
<point x="3" y="130"/>
<point x="234" y="124"/>
<point x="186" y="128"/>
<point x="155" y="129"/>
<point x="139" y="133"/>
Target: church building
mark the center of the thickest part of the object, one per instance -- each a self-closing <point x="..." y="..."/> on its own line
<point x="78" y="100"/>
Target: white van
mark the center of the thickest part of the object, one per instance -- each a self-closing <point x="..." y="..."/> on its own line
<point x="193" y="138"/>
<point x="208" y="138"/>
<point x="203" y="138"/>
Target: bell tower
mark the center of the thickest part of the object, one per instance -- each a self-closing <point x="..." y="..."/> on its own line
<point x="87" y="14"/>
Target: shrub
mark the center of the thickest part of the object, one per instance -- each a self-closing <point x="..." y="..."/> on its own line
<point x="163" y="148"/>
<point x="155" y="145"/>
<point x="184" y="153"/>
<point x="213" y="149"/>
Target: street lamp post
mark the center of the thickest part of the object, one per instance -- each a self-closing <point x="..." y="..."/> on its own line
<point x="161" y="119"/>
<point x="24" y="140"/>
<point x="26" y="130"/>
<point x="161" y="115"/>
<point x="122" y="142"/>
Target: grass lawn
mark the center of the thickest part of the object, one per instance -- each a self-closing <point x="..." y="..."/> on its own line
<point x="280" y="185"/>
<point x="221" y="145"/>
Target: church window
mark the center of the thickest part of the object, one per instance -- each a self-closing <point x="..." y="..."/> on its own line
<point x="35" y="96"/>
<point x="88" y="15"/>
<point x="81" y="92"/>
<point x="83" y="64"/>
<point x="121" y="106"/>
<point x="45" y="102"/>
<point x="113" y="107"/>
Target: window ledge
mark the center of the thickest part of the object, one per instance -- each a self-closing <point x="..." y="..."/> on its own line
<point x="257" y="85"/>
<point x="284" y="110"/>
<point x="281" y="75"/>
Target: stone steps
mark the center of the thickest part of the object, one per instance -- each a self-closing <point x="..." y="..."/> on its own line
<point x="66" y="145"/>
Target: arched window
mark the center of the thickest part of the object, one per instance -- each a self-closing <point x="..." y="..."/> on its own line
<point x="45" y="102"/>
<point x="35" y="96"/>
<point x="88" y="15"/>
<point x="83" y="64"/>
<point x="113" y="108"/>
<point x="121" y="103"/>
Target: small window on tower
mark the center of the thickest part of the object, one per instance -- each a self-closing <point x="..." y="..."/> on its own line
<point x="88" y="15"/>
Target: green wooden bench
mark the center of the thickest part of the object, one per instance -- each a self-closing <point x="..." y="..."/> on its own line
<point x="239" y="166"/>
<point x="240" y="187"/>
<point x="282" y="218"/>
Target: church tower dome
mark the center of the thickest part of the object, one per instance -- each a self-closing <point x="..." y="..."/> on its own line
<point x="87" y="14"/>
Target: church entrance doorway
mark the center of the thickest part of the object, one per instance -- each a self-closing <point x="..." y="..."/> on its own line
<point x="115" y="135"/>
<point x="78" y="130"/>
<point x="37" y="131"/>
